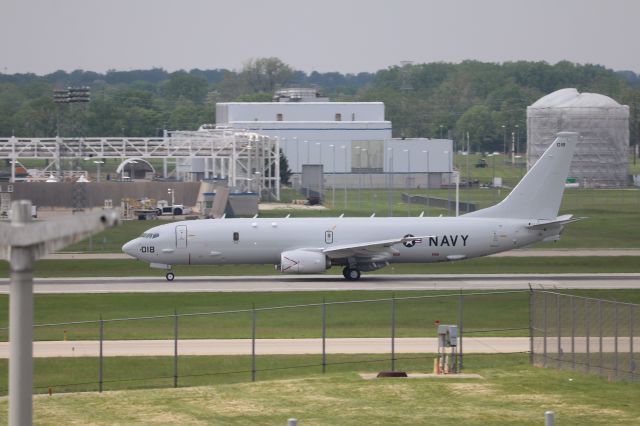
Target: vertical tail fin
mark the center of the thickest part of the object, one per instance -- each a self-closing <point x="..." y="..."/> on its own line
<point x="539" y="194"/>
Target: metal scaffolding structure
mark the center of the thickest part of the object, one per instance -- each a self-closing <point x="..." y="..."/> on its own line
<point x="247" y="161"/>
<point x="601" y="154"/>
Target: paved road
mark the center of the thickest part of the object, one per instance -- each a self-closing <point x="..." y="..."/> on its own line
<point x="158" y="284"/>
<point x="314" y="346"/>
<point x="511" y="253"/>
<point x="266" y="346"/>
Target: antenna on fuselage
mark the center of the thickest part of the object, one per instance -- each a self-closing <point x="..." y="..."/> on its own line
<point x="288" y="216"/>
<point x="341" y="216"/>
<point x="373" y="215"/>
<point x="255" y="216"/>
<point x="421" y="214"/>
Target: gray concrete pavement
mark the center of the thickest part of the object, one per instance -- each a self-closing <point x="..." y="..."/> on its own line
<point x="158" y="284"/>
<point x="267" y="346"/>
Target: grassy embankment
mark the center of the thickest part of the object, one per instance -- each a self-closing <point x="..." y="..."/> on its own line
<point x="513" y="393"/>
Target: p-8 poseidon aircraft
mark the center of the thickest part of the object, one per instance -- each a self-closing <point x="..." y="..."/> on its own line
<point x="313" y="245"/>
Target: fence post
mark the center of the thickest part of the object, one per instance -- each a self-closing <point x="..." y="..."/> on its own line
<point x="544" y="328"/>
<point x="601" y="332"/>
<point x="175" y="348"/>
<point x="101" y="360"/>
<point x="573" y="332"/>
<point x="324" y="336"/>
<point x="393" y="333"/>
<point x="253" y="343"/>
<point x="559" y="330"/>
<point x="632" y="369"/>
<point x="587" y="334"/>
<point x="460" y="330"/>
<point x="532" y="308"/>
<point x="615" y="340"/>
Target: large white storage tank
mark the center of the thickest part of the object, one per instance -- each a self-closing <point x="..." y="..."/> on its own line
<point x="601" y="154"/>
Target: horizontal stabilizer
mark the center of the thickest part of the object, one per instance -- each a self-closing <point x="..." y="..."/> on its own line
<point x="560" y="220"/>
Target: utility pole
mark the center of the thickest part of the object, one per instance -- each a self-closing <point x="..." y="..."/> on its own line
<point x="22" y="242"/>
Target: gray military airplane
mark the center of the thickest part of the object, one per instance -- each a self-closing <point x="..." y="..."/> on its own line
<point x="313" y="245"/>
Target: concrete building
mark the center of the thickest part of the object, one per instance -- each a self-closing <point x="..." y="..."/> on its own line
<point x="348" y="139"/>
<point x="310" y="132"/>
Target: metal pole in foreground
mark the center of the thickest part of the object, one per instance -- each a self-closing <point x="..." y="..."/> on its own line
<point x="549" y="418"/>
<point x="21" y="324"/>
<point x="21" y="243"/>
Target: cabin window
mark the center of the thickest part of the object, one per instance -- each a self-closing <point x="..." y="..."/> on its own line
<point x="279" y="117"/>
<point x="338" y="117"/>
<point x="236" y="237"/>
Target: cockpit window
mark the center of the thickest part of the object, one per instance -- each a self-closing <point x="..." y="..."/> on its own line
<point x="150" y="235"/>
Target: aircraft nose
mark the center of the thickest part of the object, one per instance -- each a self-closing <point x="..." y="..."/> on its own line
<point x="130" y="248"/>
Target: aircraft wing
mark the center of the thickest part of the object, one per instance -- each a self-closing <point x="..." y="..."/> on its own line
<point x="560" y="220"/>
<point x="370" y="248"/>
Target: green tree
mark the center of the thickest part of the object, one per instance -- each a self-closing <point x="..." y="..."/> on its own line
<point x="188" y="86"/>
<point x="265" y="74"/>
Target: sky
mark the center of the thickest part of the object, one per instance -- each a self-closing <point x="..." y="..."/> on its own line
<point x="348" y="36"/>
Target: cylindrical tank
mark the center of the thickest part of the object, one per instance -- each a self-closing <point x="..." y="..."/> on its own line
<point x="600" y="159"/>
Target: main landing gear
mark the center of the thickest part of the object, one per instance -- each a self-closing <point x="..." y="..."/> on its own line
<point x="170" y="276"/>
<point x="351" y="274"/>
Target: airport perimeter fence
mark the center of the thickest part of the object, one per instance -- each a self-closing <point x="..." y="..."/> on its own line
<point x="97" y="358"/>
<point x="585" y="334"/>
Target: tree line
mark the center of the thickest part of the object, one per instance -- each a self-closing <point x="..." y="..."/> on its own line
<point x="482" y="101"/>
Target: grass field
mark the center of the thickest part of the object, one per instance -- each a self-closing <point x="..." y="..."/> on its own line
<point x="513" y="393"/>
<point x="414" y="317"/>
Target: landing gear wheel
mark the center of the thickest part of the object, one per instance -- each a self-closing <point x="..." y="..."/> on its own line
<point x="351" y="274"/>
<point x="170" y="276"/>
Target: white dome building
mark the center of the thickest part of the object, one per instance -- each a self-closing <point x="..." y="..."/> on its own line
<point x="600" y="159"/>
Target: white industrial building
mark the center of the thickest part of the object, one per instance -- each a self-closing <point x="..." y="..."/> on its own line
<point x="600" y="159"/>
<point x="347" y="138"/>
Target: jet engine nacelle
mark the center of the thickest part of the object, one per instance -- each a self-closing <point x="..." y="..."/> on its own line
<point x="303" y="262"/>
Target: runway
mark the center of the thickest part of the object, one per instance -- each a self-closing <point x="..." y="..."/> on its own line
<point x="265" y="347"/>
<point x="278" y="283"/>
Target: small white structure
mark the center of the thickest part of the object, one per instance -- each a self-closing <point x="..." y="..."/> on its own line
<point x="600" y="159"/>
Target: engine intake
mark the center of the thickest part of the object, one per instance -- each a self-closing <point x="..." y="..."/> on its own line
<point x="303" y="262"/>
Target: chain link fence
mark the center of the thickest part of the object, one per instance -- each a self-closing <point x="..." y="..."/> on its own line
<point x="585" y="334"/>
<point x="188" y="349"/>
<point x="203" y="348"/>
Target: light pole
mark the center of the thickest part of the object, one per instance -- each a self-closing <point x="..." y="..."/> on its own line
<point x="428" y="181"/>
<point x="333" y="173"/>
<point x="344" y="148"/>
<point x="173" y="202"/>
<point x="517" y="139"/>
<point x="359" y="177"/>
<point x="390" y="180"/>
<point x="504" y="139"/>
<point x="22" y="242"/>
<point x="441" y="131"/>
<point x="408" y="180"/>
<point x="493" y="179"/>
<point x="448" y="154"/>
